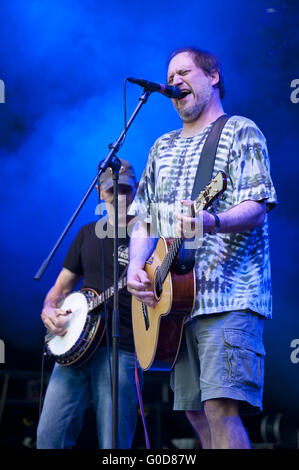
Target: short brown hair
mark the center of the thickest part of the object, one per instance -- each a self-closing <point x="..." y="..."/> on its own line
<point x="207" y="61"/>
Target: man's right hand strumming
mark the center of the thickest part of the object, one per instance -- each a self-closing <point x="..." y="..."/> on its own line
<point x="141" y="247"/>
<point x="55" y="320"/>
<point x="140" y="286"/>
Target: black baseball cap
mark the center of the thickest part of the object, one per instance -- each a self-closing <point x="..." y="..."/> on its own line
<point x="126" y="176"/>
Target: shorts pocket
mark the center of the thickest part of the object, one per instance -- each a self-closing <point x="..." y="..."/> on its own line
<point x="245" y="358"/>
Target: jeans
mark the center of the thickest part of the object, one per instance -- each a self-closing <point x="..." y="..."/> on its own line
<point x="71" y="390"/>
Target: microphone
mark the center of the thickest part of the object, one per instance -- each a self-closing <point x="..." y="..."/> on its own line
<point x="166" y="90"/>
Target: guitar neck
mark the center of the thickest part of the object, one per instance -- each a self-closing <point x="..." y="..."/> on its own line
<point x="205" y="198"/>
<point x="170" y="257"/>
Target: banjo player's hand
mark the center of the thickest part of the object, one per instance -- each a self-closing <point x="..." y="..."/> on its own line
<point x="55" y="320"/>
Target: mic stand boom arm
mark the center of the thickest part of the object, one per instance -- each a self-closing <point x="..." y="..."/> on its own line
<point x="102" y="167"/>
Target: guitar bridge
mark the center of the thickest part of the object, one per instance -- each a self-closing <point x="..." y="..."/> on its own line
<point x="145" y="316"/>
<point x="158" y="285"/>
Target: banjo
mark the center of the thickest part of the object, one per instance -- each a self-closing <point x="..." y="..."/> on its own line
<point x="85" y="328"/>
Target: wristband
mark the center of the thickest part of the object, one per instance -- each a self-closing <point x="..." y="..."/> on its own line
<point x="217" y="224"/>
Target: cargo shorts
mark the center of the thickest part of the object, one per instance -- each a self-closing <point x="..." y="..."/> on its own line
<point x="221" y="356"/>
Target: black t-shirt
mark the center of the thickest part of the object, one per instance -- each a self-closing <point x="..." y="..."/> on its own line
<point x="85" y="259"/>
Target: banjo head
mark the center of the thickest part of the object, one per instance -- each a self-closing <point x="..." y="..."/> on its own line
<point x="78" y="304"/>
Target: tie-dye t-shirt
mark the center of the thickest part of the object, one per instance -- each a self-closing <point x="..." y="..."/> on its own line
<point x="232" y="269"/>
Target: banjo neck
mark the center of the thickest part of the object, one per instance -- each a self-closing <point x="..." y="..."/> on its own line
<point x="100" y="299"/>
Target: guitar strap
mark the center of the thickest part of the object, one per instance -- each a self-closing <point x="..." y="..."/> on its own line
<point x="202" y="178"/>
<point x="207" y="158"/>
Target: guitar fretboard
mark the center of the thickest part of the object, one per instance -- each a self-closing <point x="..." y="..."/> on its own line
<point x="170" y="257"/>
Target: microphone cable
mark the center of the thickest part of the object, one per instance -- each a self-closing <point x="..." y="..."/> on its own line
<point x="141" y="407"/>
<point x="42" y="380"/>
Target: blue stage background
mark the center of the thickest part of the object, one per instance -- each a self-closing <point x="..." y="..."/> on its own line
<point x="63" y="63"/>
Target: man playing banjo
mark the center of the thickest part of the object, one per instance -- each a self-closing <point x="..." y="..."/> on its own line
<point x="71" y="388"/>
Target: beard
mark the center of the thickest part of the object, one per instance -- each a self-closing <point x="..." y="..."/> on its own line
<point x="191" y="111"/>
<point x="191" y="114"/>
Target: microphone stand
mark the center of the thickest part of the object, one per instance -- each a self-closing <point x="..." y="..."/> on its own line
<point x="110" y="161"/>
<point x="115" y="321"/>
<point x="115" y="165"/>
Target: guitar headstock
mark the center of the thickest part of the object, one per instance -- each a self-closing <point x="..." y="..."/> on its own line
<point x="213" y="190"/>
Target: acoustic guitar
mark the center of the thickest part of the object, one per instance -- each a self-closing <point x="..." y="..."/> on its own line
<point x="158" y="331"/>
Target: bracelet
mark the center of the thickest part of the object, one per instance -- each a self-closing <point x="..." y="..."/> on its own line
<point x="217" y="224"/>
